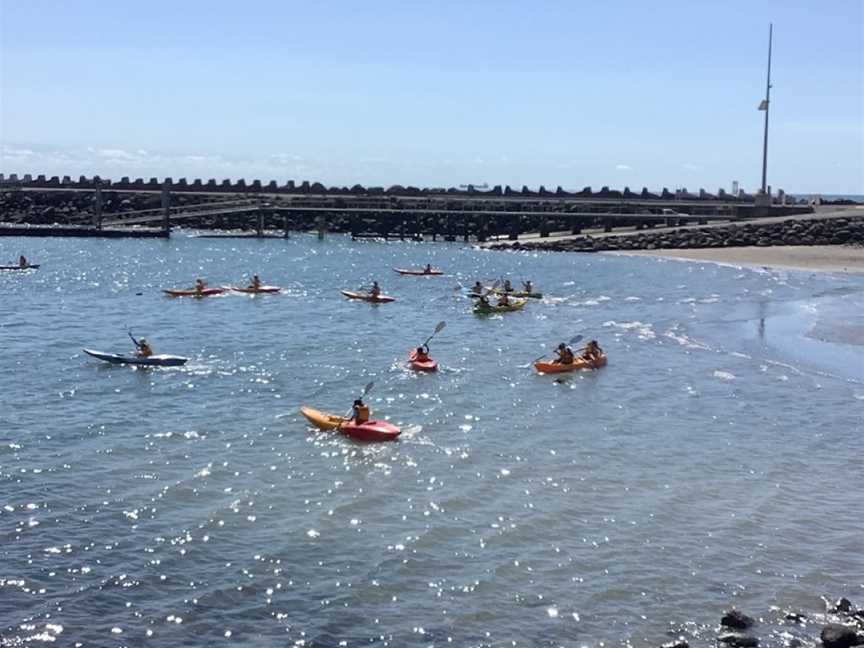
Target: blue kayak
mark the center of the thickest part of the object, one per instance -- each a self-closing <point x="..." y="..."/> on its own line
<point x="151" y="361"/>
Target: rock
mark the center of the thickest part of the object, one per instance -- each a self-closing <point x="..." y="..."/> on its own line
<point x="736" y="619"/>
<point x="840" y="636"/>
<point x="797" y="617"/>
<point x="738" y="640"/>
<point x="842" y="605"/>
<point x="678" y="643"/>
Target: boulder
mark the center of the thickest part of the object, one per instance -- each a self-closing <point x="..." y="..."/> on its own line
<point x="839" y="636"/>
<point x="738" y="640"/>
<point x="736" y="619"/>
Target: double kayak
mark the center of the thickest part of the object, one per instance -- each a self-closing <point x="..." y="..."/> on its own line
<point x="151" y="361"/>
<point x="32" y="266"/>
<point x="207" y="292"/>
<point x="421" y="365"/>
<point x="249" y="290"/>
<point x="515" y="305"/>
<point x="379" y="299"/>
<point x="368" y="431"/>
<point x="419" y="273"/>
<point x="579" y="363"/>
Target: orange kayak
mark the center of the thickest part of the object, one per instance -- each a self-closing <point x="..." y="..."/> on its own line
<point x="368" y="431"/>
<point x="579" y="363"/>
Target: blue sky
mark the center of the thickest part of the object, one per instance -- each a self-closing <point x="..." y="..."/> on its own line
<point x="435" y="93"/>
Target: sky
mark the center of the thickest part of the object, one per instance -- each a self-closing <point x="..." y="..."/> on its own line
<point x="436" y="93"/>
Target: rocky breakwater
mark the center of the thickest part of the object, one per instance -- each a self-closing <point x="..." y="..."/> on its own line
<point x="822" y="231"/>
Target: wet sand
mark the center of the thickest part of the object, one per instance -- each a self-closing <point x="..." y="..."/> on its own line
<point x="816" y="258"/>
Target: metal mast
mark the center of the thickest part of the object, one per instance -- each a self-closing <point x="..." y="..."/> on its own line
<point x="764" y="106"/>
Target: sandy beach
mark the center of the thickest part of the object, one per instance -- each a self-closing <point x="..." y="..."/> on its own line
<point x="816" y="258"/>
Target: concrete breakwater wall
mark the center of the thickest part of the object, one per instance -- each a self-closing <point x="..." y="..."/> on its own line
<point x="837" y="230"/>
<point x="180" y="185"/>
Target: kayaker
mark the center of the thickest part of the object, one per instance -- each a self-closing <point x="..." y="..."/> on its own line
<point x="565" y="355"/>
<point x="422" y="353"/>
<point x="256" y="283"/>
<point x="592" y="351"/>
<point x="360" y="412"/>
<point x="507" y="286"/>
<point x="503" y="299"/>
<point x="527" y="287"/>
<point x="144" y="350"/>
<point x="477" y="288"/>
<point x="428" y="268"/>
<point x="200" y="286"/>
<point x="376" y="289"/>
<point x="22" y="261"/>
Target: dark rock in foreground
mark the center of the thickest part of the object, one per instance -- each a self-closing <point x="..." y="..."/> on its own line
<point x="839" y="636"/>
<point x="736" y="619"/>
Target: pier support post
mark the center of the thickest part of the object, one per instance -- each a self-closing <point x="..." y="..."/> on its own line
<point x="259" y="224"/>
<point x="166" y="208"/>
<point x="544" y="228"/>
<point x="482" y="229"/>
<point x="321" y="226"/>
<point x="97" y="217"/>
<point x="515" y="227"/>
<point x="285" y="226"/>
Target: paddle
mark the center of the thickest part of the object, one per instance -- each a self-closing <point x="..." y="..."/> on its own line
<point x="366" y="390"/>
<point x="438" y="329"/>
<point x="572" y="340"/>
<point x="134" y="341"/>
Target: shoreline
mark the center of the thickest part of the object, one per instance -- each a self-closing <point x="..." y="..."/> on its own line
<point x="840" y="259"/>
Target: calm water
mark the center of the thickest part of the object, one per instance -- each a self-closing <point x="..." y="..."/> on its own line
<point x="717" y="460"/>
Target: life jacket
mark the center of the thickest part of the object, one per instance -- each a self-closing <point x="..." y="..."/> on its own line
<point x="361" y="413"/>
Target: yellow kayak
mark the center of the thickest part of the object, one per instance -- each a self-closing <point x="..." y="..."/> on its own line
<point x="322" y="420"/>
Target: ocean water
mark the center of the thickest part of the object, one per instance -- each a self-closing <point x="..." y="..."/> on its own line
<point x="716" y="461"/>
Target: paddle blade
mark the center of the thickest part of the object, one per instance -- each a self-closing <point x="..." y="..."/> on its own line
<point x="368" y="387"/>
<point x="440" y="326"/>
<point x="575" y="339"/>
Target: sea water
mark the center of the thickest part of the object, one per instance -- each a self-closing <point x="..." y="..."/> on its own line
<point x="715" y="462"/>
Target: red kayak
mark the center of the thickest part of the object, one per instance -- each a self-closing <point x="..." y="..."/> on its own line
<point x="371" y="431"/>
<point x="419" y="273"/>
<point x="421" y="365"/>
<point x="207" y="292"/>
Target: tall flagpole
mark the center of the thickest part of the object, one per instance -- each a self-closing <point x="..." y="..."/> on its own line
<point x="764" y="107"/>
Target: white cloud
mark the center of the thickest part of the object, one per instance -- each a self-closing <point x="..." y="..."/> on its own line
<point x="623" y="167"/>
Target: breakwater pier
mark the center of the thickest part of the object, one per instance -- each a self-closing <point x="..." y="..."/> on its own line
<point x="97" y="206"/>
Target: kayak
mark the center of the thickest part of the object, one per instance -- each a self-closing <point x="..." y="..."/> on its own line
<point x="579" y="363"/>
<point x="32" y="266"/>
<point x="421" y="365"/>
<point x="368" y="431"/>
<point x="207" y="292"/>
<point x="519" y="293"/>
<point x="152" y="361"/>
<point x="515" y="305"/>
<point x="252" y="291"/>
<point x="380" y="299"/>
<point x="418" y="273"/>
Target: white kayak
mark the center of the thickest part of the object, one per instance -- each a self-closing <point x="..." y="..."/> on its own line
<point x="152" y="361"/>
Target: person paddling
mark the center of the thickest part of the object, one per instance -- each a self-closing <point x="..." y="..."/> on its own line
<point x="256" y="283"/>
<point x="526" y="285"/>
<point x="421" y="354"/>
<point x="200" y="286"/>
<point x="477" y="288"/>
<point x="503" y="300"/>
<point x="144" y="350"/>
<point x="565" y="355"/>
<point x="507" y="286"/>
<point x="592" y="351"/>
<point x="22" y="261"/>
<point x="428" y="268"/>
<point x="360" y="412"/>
<point x="376" y="289"/>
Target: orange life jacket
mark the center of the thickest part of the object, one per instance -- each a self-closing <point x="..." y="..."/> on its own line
<point x="361" y="414"/>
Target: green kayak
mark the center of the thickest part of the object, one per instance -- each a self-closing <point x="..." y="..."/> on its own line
<point x="515" y="305"/>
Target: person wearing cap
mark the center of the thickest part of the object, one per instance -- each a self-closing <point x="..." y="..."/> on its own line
<point x="144" y="350"/>
<point x="361" y="412"/>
